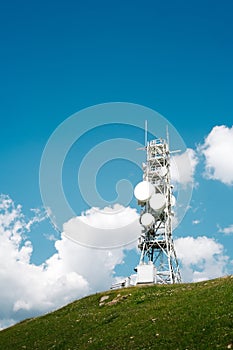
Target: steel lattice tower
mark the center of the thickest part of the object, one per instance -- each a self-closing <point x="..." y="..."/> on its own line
<point x="158" y="261"/>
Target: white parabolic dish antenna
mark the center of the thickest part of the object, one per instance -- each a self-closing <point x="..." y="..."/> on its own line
<point x="162" y="171"/>
<point x="158" y="202"/>
<point x="143" y="191"/>
<point x="147" y="219"/>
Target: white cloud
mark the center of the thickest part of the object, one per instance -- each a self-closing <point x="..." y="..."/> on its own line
<point x="217" y="150"/>
<point x="27" y="289"/>
<point x="226" y="230"/>
<point x="104" y="228"/>
<point x="183" y="167"/>
<point x="196" y="222"/>
<point x="50" y="237"/>
<point x="72" y="272"/>
<point x="201" y="258"/>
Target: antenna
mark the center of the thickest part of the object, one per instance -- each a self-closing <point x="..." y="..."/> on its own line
<point x="146" y="133"/>
<point x="146" y="138"/>
<point x="168" y="143"/>
<point x="167" y="134"/>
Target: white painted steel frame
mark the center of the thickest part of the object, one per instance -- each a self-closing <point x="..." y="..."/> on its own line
<point x="156" y="242"/>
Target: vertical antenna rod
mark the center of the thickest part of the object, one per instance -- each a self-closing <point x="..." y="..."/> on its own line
<point x="145" y="133"/>
<point x="167" y="132"/>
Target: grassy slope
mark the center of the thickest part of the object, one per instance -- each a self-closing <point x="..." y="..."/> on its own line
<point x="187" y="316"/>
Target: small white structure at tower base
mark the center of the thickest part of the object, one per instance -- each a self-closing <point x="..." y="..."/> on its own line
<point x="146" y="273"/>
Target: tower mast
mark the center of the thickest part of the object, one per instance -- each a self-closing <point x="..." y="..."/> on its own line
<point x="158" y="261"/>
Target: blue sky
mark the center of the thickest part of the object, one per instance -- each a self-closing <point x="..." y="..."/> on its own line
<point x="60" y="57"/>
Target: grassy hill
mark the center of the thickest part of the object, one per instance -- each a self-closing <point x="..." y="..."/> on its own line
<point x="186" y="316"/>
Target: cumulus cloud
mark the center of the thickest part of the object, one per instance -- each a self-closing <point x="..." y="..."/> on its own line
<point x="183" y="167"/>
<point x="72" y="272"/>
<point x="27" y="289"/>
<point x="201" y="258"/>
<point x="104" y="228"/>
<point x="217" y="150"/>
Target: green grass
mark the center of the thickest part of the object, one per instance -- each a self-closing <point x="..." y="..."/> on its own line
<point x="186" y="316"/>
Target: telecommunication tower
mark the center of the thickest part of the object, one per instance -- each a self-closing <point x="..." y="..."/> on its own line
<point x="158" y="261"/>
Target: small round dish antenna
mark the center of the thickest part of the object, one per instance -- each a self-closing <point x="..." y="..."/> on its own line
<point x="162" y="171"/>
<point x="147" y="219"/>
<point x="143" y="191"/>
<point x="158" y="202"/>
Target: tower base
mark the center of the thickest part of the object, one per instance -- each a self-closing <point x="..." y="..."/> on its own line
<point x="146" y="273"/>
